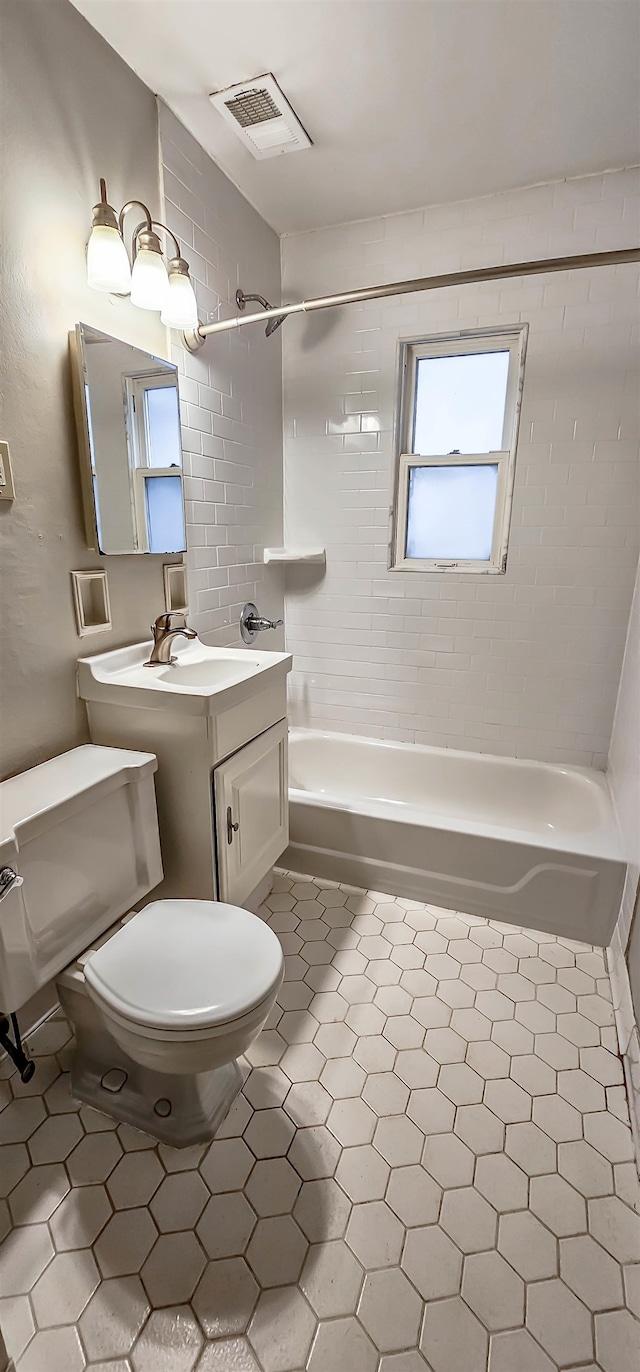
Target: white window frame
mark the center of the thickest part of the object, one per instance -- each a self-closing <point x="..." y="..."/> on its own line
<point x="136" y="417"/>
<point x="512" y="340"/>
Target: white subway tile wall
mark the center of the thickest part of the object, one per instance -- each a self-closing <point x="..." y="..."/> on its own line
<point x="525" y="664"/>
<point x="231" y="395"/>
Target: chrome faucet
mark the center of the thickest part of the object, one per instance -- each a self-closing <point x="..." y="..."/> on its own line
<point x="169" y="626"/>
<point x="252" y="623"/>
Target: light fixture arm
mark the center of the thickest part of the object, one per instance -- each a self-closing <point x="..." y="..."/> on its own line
<point x="148" y="222"/>
<point x="158" y="225"/>
<point x="104" y="215"/>
<point x="145" y="231"/>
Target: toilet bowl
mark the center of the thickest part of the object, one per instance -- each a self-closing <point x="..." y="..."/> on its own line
<point x="186" y="985"/>
<point x="162" y="1002"/>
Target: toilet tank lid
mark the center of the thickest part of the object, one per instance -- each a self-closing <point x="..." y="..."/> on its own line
<point x="53" y="784"/>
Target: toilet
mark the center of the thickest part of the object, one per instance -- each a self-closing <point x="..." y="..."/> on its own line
<point x="164" y="999"/>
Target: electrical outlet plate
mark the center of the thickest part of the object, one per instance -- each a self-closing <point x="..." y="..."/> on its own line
<point x="6" y="475"/>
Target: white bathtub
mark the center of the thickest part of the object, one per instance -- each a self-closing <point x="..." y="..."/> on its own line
<point x="525" y="842"/>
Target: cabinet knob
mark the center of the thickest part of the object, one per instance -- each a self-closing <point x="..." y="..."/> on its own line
<point x="231" y="827"/>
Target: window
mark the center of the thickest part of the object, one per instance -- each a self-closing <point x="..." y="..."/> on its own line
<point x="458" y="423"/>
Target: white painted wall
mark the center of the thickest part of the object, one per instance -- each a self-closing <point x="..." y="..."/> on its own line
<point x="624" y="780"/>
<point x="231" y="393"/>
<point x="524" y="664"/>
<point x="624" y="761"/>
<point x="71" y="112"/>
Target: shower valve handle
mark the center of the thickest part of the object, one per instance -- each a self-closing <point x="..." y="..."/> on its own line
<point x="253" y="623"/>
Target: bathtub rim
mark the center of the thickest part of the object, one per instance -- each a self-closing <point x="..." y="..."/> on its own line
<point x="603" y="841"/>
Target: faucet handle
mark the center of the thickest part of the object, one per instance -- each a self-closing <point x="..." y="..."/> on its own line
<point x="164" y="631"/>
<point x="168" y="620"/>
<point x="253" y="623"/>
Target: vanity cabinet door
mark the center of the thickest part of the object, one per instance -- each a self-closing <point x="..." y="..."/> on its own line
<point x="251" y="813"/>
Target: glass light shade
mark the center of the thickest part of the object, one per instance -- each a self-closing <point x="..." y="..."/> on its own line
<point x="149" y="284"/>
<point x="180" y="310"/>
<point x="107" y="262"/>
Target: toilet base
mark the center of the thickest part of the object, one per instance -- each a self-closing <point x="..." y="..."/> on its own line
<point x="197" y="1105"/>
<point x="104" y="1076"/>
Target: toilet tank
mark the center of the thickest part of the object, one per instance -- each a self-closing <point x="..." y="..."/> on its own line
<point x="82" y="832"/>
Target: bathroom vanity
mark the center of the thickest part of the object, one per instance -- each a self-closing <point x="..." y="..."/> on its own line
<point x="216" y="721"/>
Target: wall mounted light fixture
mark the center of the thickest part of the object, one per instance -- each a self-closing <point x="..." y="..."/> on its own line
<point x="146" y="279"/>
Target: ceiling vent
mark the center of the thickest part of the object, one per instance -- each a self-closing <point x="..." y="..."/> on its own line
<point x="261" y="117"/>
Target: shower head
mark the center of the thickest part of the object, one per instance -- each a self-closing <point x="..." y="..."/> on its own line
<point x="273" y="324"/>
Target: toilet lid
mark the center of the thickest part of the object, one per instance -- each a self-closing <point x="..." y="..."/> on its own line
<point x="186" y="963"/>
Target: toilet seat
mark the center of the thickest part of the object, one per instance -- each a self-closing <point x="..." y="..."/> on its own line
<point x="180" y="969"/>
<point x="177" y="1037"/>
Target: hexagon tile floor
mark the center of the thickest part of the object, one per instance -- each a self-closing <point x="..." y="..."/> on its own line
<point x="429" y="1169"/>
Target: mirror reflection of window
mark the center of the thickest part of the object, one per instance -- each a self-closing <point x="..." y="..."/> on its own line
<point x="130" y="426"/>
<point x="162" y="426"/>
<point x="155" y="445"/>
<point x="165" y="523"/>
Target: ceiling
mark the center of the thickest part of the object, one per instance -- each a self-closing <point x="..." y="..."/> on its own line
<point x="408" y="102"/>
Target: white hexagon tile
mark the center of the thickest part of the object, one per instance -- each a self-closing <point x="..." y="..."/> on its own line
<point x="429" y="1169"/>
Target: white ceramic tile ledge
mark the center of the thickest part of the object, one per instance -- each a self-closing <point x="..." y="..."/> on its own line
<point x="429" y="1169"/>
<point x="310" y="555"/>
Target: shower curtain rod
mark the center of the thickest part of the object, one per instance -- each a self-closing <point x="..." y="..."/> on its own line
<point x="197" y="338"/>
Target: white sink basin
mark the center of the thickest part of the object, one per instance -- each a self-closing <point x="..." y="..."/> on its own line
<point x="203" y="681"/>
<point x="210" y="673"/>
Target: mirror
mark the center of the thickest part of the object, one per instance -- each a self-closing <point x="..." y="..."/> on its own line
<point x="128" y="416"/>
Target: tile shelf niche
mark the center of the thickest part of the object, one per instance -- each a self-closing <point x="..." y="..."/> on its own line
<point x="308" y="555"/>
